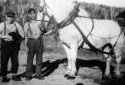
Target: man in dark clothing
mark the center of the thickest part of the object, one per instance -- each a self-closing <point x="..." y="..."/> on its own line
<point x="34" y="41"/>
<point x="9" y="48"/>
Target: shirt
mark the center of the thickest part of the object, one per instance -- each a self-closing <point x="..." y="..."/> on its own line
<point x="7" y="28"/>
<point x="32" y="30"/>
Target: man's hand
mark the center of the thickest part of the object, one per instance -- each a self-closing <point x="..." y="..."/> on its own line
<point x="27" y="49"/>
<point x="49" y="32"/>
<point x="7" y="38"/>
<point x="25" y="44"/>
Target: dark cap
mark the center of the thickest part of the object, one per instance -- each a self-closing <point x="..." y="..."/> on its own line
<point x="30" y="10"/>
<point x="10" y="14"/>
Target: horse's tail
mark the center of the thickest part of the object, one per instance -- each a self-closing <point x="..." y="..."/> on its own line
<point x="123" y="48"/>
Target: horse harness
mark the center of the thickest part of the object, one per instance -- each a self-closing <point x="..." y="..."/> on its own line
<point x="93" y="48"/>
<point x="85" y="38"/>
<point x="70" y="20"/>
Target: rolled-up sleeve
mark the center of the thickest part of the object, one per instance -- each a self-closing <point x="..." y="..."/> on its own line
<point x="1" y="29"/>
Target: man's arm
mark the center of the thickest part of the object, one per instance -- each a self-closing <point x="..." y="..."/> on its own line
<point x="26" y="27"/>
<point x="1" y="30"/>
<point x="2" y="35"/>
<point x="20" y="30"/>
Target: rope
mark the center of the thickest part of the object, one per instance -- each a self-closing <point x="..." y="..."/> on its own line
<point x="89" y="32"/>
<point x="87" y="41"/>
<point x="110" y="37"/>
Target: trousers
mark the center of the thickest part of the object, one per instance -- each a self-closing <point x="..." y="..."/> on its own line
<point x="35" y="47"/>
<point x="9" y="50"/>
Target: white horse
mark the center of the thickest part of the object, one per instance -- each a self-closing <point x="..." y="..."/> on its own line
<point x="104" y="32"/>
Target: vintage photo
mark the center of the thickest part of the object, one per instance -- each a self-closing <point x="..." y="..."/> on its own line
<point x="62" y="42"/>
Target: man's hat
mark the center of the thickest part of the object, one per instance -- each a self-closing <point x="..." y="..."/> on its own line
<point x="10" y="14"/>
<point x="30" y="10"/>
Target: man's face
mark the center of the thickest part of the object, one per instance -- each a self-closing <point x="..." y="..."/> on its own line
<point x="32" y="15"/>
<point x="9" y="19"/>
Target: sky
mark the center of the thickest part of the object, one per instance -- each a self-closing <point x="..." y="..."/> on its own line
<point x="111" y="3"/>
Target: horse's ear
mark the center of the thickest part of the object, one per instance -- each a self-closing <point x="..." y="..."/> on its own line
<point x="83" y="12"/>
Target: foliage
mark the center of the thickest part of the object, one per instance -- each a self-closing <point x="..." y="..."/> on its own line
<point x="21" y="7"/>
<point x="101" y="11"/>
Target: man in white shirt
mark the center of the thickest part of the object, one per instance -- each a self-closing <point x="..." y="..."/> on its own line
<point x="34" y="42"/>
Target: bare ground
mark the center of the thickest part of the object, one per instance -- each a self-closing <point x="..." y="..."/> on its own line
<point x="90" y="68"/>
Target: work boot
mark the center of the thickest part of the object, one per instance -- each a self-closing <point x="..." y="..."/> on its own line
<point x="28" y="78"/>
<point x="5" y="79"/>
<point x="40" y="77"/>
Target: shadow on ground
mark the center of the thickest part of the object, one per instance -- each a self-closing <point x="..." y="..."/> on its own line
<point x="50" y="66"/>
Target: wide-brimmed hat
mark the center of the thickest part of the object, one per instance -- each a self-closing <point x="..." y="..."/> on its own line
<point x="10" y="14"/>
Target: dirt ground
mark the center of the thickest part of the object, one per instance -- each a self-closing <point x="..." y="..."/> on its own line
<point x="89" y="64"/>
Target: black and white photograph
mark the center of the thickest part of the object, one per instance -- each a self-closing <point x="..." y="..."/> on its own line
<point x="62" y="42"/>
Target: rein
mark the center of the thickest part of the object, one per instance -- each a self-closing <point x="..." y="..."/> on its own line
<point x="87" y="41"/>
<point x="90" y="31"/>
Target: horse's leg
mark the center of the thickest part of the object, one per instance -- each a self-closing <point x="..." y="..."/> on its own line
<point x="107" y="70"/>
<point x="73" y="51"/>
<point x="118" y="61"/>
<point x="108" y="63"/>
<point x="67" y="50"/>
<point x="71" y="55"/>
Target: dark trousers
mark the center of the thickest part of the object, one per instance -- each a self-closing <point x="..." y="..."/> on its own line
<point x="35" y="47"/>
<point x="9" y="50"/>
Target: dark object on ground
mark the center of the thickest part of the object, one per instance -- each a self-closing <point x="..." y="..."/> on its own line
<point x="39" y="77"/>
<point x="5" y="79"/>
<point x="28" y="78"/>
<point x="16" y="37"/>
<point x="16" y="78"/>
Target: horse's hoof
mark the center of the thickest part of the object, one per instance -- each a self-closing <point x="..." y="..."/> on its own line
<point x="117" y="76"/>
<point x="70" y="77"/>
<point x="66" y="75"/>
<point x="16" y="78"/>
<point x="106" y="77"/>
